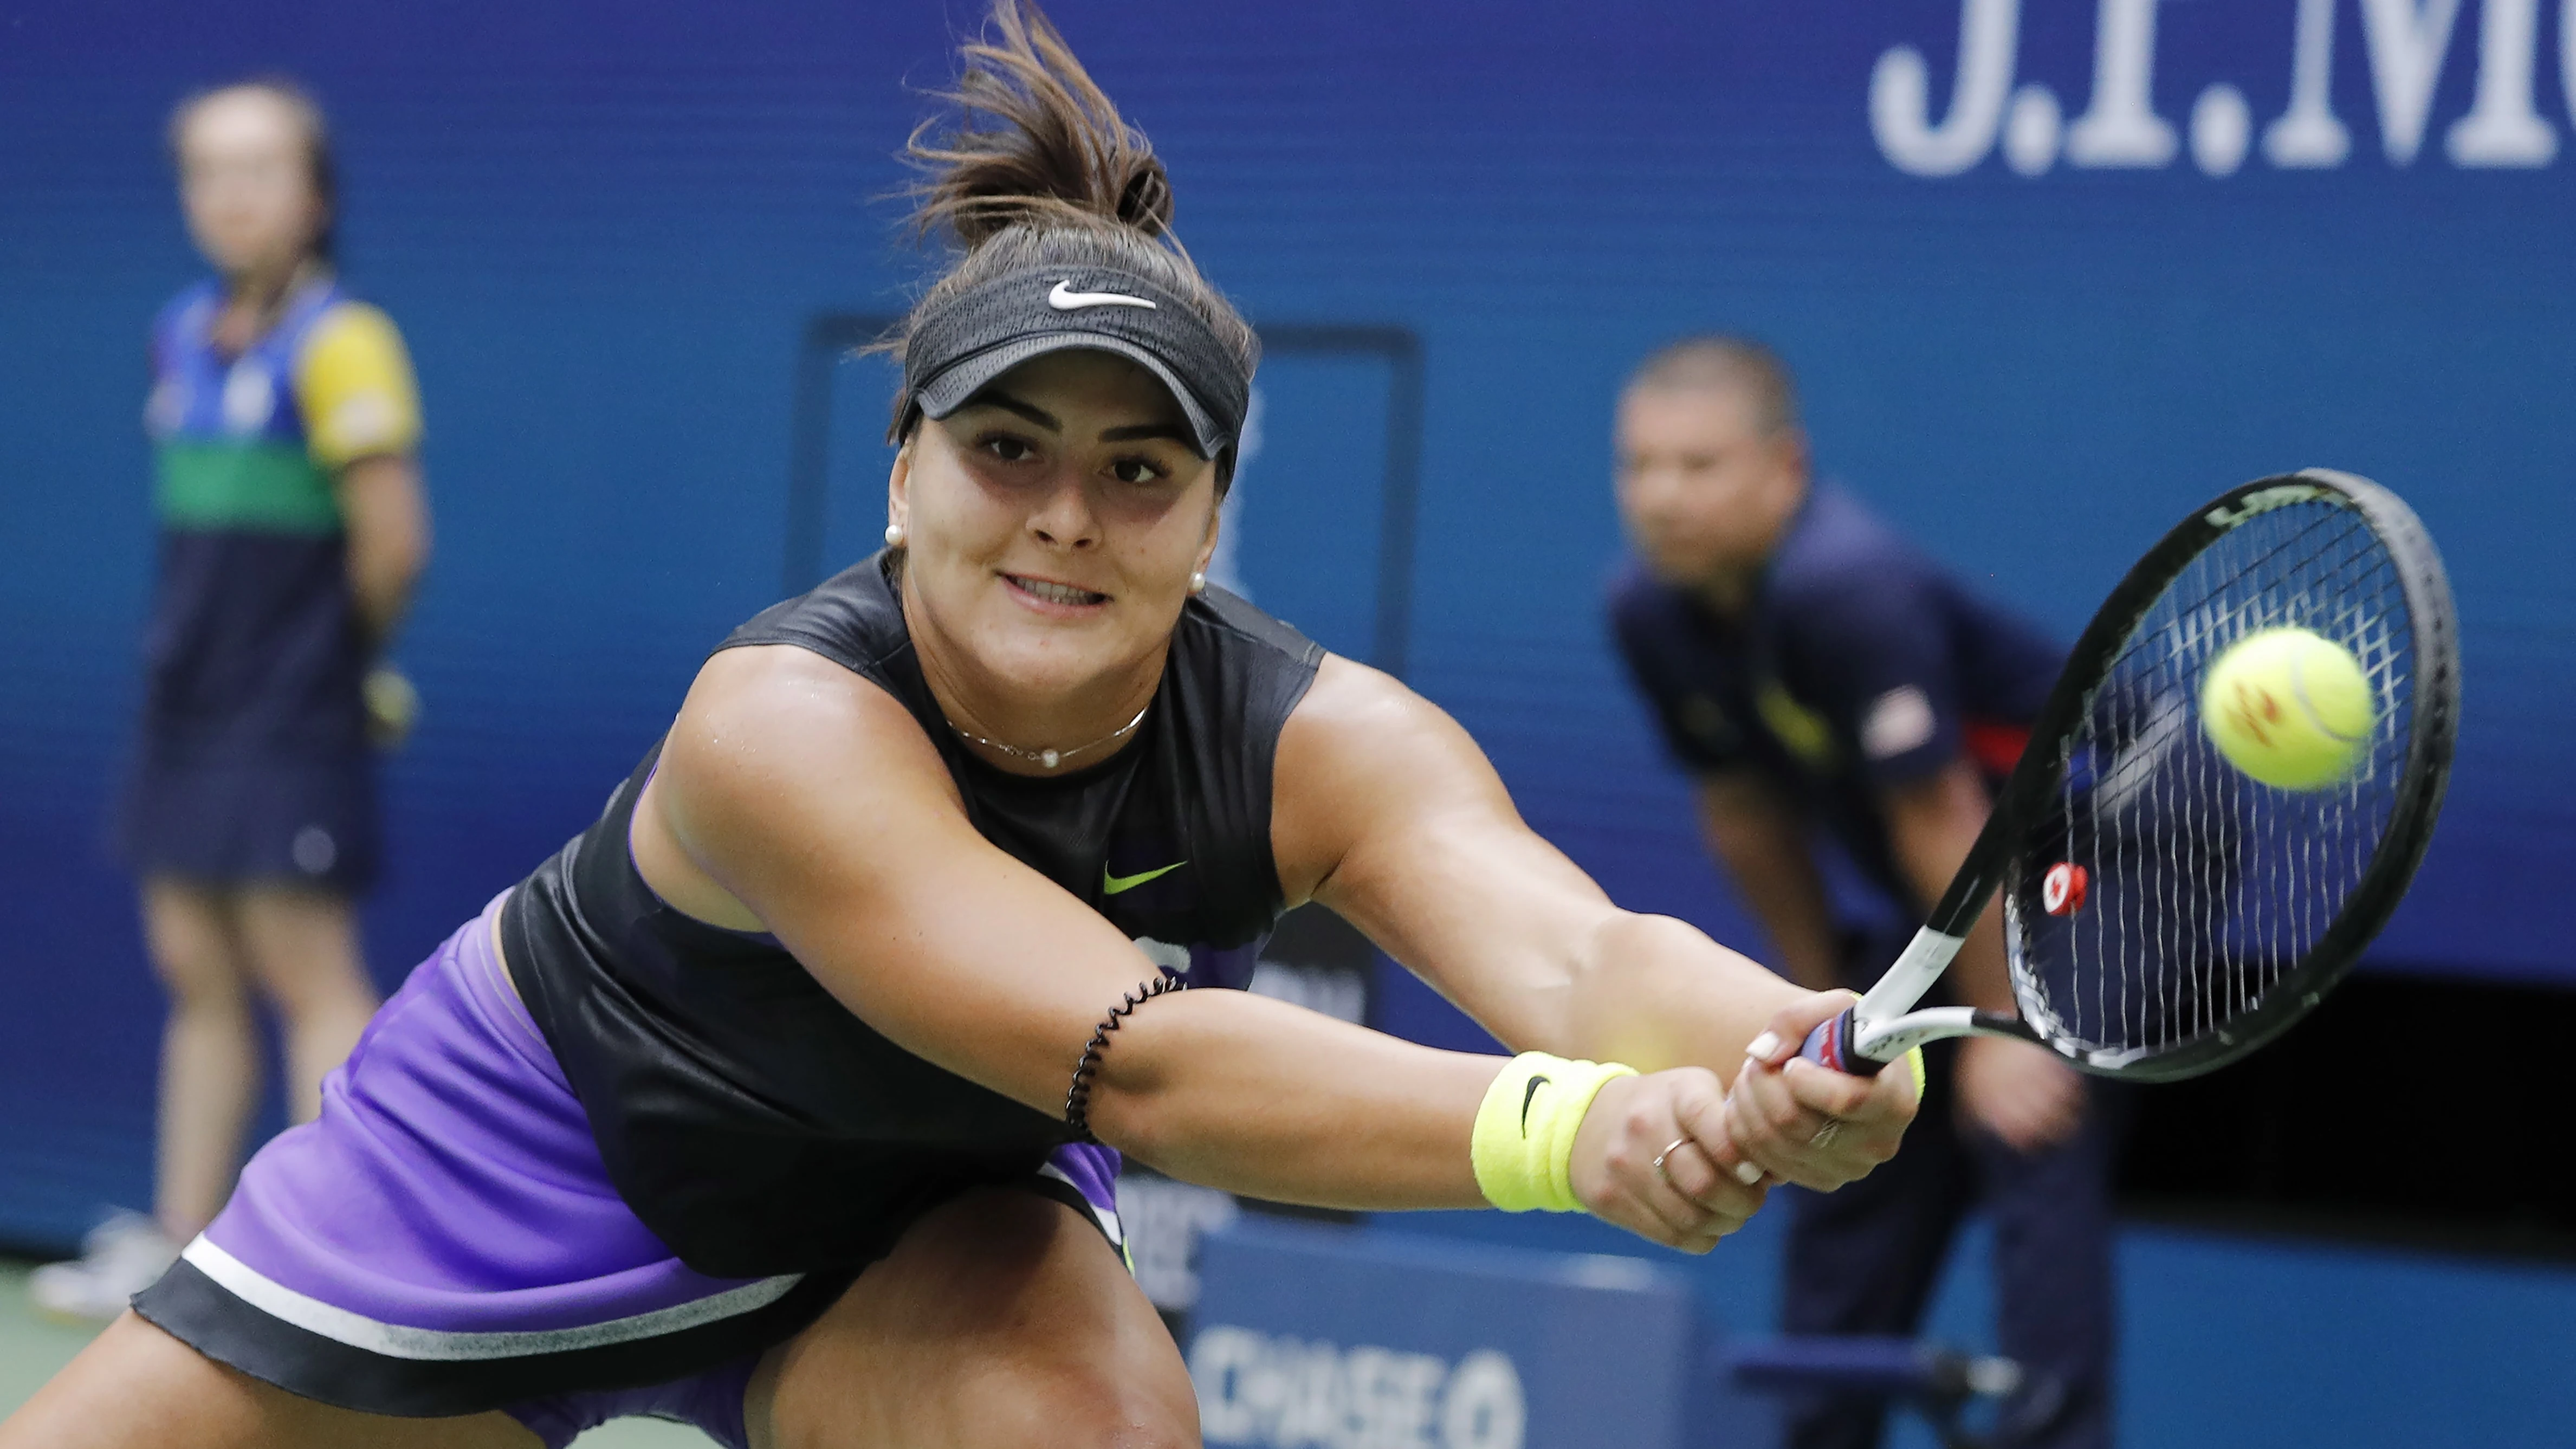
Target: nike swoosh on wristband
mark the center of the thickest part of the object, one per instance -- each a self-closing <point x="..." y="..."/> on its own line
<point x="1064" y="299"/>
<point x="1111" y="885"/>
<point x="1529" y="1096"/>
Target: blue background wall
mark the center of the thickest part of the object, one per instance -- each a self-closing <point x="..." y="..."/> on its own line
<point x="602" y="228"/>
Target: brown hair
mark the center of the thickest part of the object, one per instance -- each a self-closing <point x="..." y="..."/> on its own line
<point x="322" y="167"/>
<point x="1725" y="363"/>
<point x="1036" y="168"/>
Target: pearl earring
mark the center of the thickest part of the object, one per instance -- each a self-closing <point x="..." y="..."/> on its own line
<point x="1198" y="582"/>
<point x="894" y="535"/>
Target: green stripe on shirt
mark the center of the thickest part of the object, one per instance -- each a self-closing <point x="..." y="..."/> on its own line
<point x="269" y="486"/>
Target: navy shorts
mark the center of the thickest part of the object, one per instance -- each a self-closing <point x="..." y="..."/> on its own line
<point x="234" y="817"/>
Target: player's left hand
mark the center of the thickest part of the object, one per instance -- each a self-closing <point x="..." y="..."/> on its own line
<point x="1652" y="1156"/>
<point x="1811" y="1125"/>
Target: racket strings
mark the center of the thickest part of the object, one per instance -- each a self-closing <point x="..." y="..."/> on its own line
<point x="2205" y="887"/>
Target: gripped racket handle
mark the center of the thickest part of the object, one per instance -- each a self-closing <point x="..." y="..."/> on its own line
<point x="1830" y="1045"/>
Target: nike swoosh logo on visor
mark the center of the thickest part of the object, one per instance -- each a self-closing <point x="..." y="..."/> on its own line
<point x="1065" y="299"/>
<point x="1111" y="885"/>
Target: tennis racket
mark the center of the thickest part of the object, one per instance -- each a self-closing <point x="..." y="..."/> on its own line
<point x="2165" y="914"/>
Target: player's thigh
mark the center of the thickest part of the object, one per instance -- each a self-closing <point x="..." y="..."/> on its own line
<point x="302" y="944"/>
<point x="188" y="929"/>
<point x="136" y="1387"/>
<point x="1001" y="1318"/>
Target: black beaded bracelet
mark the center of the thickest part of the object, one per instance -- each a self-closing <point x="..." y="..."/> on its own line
<point x="1077" y="1097"/>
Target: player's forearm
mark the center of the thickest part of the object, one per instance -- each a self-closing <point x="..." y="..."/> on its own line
<point x="1239" y="1092"/>
<point x="1655" y="992"/>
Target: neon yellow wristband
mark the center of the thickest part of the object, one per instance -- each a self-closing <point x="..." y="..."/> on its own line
<point x="1523" y="1148"/>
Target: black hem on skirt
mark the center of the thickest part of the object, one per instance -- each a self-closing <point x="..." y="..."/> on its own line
<point x="199" y="1312"/>
<point x="210" y="1318"/>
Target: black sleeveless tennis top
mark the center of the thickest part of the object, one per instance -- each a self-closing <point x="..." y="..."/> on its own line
<point x="752" y="1121"/>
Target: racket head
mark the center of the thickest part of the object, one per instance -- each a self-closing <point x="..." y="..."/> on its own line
<point x="2164" y="913"/>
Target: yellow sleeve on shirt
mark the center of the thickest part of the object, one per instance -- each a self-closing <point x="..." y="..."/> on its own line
<point x="353" y="381"/>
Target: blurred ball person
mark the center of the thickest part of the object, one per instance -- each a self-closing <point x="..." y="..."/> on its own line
<point x="293" y="529"/>
<point x="1821" y="678"/>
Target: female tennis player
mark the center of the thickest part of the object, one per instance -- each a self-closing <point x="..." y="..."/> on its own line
<point x="293" y="529"/>
<point x="787" y="1098"/>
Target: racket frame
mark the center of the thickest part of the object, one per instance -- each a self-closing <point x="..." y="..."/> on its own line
<point x="1882" y="1027"/>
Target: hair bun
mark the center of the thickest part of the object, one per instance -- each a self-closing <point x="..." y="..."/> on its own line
<point x="1145" y="203"/>
<point x="1035" y="142"/>
<point x="1036" y="170"/>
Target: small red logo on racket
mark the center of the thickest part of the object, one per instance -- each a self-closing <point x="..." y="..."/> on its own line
<point x="2062" y="889"/>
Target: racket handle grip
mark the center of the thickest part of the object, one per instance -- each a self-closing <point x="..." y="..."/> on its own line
<point x="1831" y="1045"/>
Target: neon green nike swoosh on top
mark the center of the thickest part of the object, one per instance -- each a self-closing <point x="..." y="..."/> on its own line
<point x="1111" y="885"/>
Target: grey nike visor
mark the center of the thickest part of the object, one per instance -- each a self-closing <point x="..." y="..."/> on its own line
<point x="970" y="339"/>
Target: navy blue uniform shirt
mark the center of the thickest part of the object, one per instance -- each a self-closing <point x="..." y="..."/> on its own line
<point x="1859" y="666"/>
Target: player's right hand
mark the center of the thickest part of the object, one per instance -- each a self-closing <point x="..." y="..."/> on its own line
<point x="1695" y="1196"/>
<point x="1808" y="1124"/>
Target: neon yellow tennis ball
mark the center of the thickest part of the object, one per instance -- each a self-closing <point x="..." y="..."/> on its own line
<point x="2289" y="707"/>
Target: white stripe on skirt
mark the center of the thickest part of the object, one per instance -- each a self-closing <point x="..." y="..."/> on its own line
<point x="395" y="1340"/>
<point x="1108" y="1220"/>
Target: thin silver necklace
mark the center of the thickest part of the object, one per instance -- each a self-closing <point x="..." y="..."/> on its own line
<point x="1049" y="759"/>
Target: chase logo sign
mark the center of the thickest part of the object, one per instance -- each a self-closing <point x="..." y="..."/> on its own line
<point x="2406" y="46"/>
<point x="1287" y="1393"/>
<point x="1355" y="1338"/>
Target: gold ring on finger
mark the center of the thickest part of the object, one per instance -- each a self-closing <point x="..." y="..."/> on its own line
<point x="1670" y="1148"/>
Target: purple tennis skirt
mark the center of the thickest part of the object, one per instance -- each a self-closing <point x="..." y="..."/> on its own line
<point x="444" y="1240"/>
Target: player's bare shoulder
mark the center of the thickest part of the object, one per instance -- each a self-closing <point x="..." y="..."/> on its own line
<point x="1347" y="697"/>
<point x="1362" y="751"/>
<point x="747" y="702"/>
<point x="774" y="740"/>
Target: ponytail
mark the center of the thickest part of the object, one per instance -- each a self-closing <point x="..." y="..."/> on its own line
<point x="1035" y="168"/>
<point x="1035" y="143"/>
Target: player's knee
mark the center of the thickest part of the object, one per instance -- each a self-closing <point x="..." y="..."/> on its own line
<point x="1103" y="1405"/>
<point x="1105" y="1390"/>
